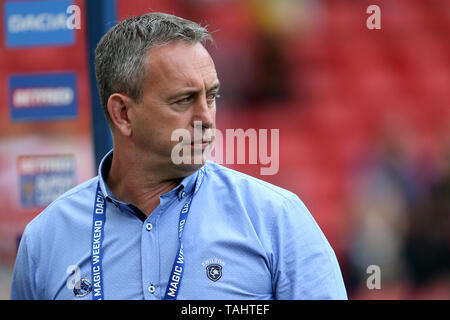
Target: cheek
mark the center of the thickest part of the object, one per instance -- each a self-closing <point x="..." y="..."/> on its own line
<point x="146" y="128"/>
<point x="155" y="132"/>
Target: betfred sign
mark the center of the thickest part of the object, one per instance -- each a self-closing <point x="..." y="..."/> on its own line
<point x="42" y="97"/>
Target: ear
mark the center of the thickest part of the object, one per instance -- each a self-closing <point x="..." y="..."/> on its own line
<point x="118" y="108"/>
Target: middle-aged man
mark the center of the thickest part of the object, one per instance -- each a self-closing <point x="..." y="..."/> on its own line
<point x="147" y="228"/>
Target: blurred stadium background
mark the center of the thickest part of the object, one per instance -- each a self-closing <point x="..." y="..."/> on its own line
<point x="364" y="120"/>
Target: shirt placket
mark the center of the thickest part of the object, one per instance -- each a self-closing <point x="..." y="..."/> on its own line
<point x="150" y="256"/>
<point x="151" y="248"/>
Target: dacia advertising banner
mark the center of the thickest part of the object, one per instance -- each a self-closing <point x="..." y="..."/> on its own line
<point x="45" y="110"/>
<point x="37" y="23"/>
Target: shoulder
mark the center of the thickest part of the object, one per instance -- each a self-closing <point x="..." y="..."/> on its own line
<point x="242" y="182"/>
<point x="260" y="200"/>
<point x="257" y="195"/>
<point x="64" y="208"/>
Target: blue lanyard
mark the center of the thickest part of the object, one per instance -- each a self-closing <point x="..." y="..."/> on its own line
<point x="98" y="223"/>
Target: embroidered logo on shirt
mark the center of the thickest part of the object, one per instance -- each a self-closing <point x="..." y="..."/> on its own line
<point x="214" y="272"/>
<point x="214" y="267"/>
<point x="82" y="288"/>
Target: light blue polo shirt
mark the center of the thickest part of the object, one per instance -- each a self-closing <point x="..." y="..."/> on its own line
<point x="244" y="239"/>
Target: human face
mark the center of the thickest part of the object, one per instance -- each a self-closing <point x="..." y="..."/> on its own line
<point x="179" y="90"/>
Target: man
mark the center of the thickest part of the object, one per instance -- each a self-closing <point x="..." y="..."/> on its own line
<point x="147" y="228"/>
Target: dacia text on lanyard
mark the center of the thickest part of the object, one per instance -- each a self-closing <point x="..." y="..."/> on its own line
<point x="98" y="223"/>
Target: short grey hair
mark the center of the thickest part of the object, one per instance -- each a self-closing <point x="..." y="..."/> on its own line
<point x="121" y="56"/>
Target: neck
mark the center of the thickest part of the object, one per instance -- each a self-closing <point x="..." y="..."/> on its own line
<point x="130" y="182"/>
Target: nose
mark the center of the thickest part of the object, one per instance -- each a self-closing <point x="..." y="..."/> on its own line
<point x="203" y="113"/>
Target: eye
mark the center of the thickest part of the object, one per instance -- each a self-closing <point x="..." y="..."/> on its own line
<point x="185" y="100"/>
<point x="211" y="98"/>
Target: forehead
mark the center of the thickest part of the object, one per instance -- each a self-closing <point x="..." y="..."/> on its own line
<point x="180" y="64"/>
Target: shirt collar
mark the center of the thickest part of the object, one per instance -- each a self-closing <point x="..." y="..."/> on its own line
<point x="186" y="186"/>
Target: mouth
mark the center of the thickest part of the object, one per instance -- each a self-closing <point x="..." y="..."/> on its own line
<point x="201" y="144"/>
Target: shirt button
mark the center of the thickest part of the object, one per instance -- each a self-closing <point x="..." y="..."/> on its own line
<point x="148" y="226"/>
<point x="183" y="194"/>
<point x="151" y="289"/>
